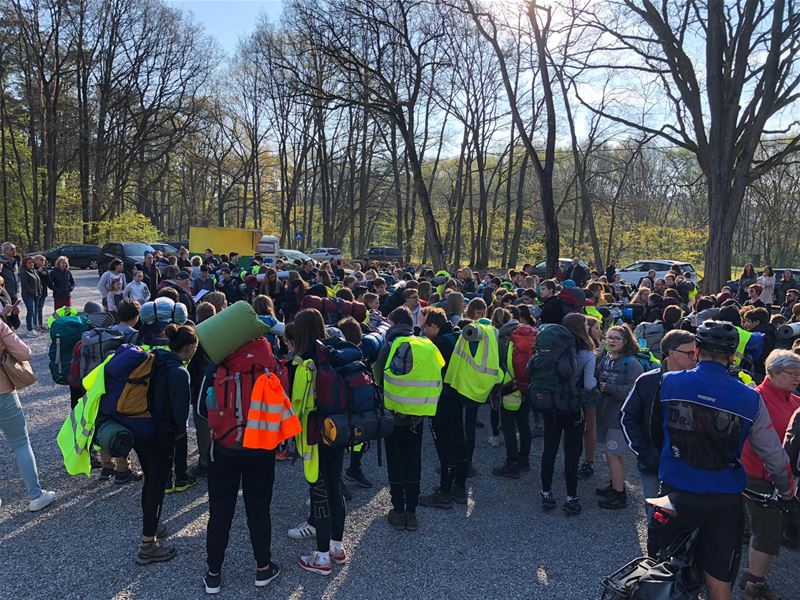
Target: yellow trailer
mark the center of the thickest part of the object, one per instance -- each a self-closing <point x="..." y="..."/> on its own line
<point x="224" y="240"/>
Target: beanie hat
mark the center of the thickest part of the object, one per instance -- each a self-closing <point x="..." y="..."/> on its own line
<point x="569" y="283"/>
<point x="91" y="308"/>
<point x="730" y="314"/>
<point x="573" y="296"/>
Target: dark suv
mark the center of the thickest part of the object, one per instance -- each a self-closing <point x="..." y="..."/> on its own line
<point x="381" y="254"/>
<point x="130" y="253"/>
<point x="83" y="256"/>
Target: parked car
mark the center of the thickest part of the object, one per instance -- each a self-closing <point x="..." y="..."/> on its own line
<point x="381" y="254"/>
<point x="540" y="268"/>
<point x="326" y="254"/>
<point x="165" y="249"/>
<point x="176" y="244"/>
<point x="83" y="256"/>
<point x="130" y="253"/>
<point x="634" y="272"/>
<point x="292" y="255"/>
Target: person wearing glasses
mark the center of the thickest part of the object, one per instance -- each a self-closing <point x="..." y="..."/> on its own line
<point x="616" y="373"/>
<point x="411" y="297"/>
<point x="679" y="352"/>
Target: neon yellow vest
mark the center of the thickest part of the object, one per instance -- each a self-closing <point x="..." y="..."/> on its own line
<point x="64" y="311"/>
<point x="511" y="401"/>
<point x="593" y="312"/>
<point x="303" y="403"/>
<point x="744" y="337"/>
<point x="416" y="392"/>
<point x="474" y="377"/>
<point x="75" y="437"/>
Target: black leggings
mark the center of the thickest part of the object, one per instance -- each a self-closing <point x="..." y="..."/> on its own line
<point x="571" y="424"/>
<point x="155" y="455"/>
<point x="404" y="464"/>
<point x="327" y="502"/>
<point x="470" y="418"/>
<point x="448" y="435"/>
<point x="494" y="420"/>
<point x="513" y="421"/>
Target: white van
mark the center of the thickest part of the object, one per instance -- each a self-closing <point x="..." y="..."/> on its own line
<point x="268" y="248"/>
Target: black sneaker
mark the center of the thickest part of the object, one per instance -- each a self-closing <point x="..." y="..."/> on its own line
<point x="548" y="502"/>
<point x="153" y="552"/>
<point x="510" y="470"/>
<point x="572" y="506"/>
<point x="524" y="465"/>
<point x="265" y="576"/>
<point x="128" y="476"/>
<point x="604" y="491"/>
<point x="106" y="473"/>
<point x="437" y="499"/>
<point x="212" y="582"/>
<point x="614" y="500"/>
<point x="181" y="485"/>
<point x="357" y="477"/>
<point x="586" y="470"/>
<point x="458" y="494"/>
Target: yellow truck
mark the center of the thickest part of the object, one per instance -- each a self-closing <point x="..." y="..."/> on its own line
<point x="224" y="240"/>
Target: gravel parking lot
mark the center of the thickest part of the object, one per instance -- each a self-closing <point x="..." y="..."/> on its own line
<point x="500" y="545"/>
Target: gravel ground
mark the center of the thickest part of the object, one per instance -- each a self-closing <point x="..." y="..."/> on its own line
<point x="499" y="545"/>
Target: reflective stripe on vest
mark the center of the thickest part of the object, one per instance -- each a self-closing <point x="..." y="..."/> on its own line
<point x="303" y="403"/>
<point x="744" y="337"/>
<point x="416" y="392"/>
<point x="472" y="379"/>
<point x="270" y="419"/>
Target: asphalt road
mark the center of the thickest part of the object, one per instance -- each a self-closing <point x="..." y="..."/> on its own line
<point x="500" y="545"/>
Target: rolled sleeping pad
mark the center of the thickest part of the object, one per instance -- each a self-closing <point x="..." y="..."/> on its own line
<point x="472" y="333"/>
<point x="229" y="330"/>
<point x="789" y="331"/>
<point x="344" y="429"/>
<point x="114" y="438"/>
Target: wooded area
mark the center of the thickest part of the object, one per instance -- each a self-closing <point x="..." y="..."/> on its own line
<point x="463" y="132"/>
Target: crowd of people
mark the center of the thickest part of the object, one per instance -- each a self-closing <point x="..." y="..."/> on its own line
<point x="581" y="359"/>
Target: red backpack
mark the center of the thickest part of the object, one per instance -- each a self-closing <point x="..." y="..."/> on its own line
<point x="524" y="340"/>
<point x="233" y="388"/>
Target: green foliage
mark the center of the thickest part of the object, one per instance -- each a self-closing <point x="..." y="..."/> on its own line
<point x="129" y="225"/>
<point x="642" y="240"/>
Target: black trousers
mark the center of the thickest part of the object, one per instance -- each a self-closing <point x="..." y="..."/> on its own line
<point x="327" y="502"/>
<point x="155" y="454"/>
<point x="494" y="420"/>
<point x="404" y="464"/>
<point x="571" y="424"/>
<point x="181" y="458"/>
<point x="254" y="472"/>
<point x="513" y="421"/>
<point x="470" y="418"/>
<point x="448" y="435"/>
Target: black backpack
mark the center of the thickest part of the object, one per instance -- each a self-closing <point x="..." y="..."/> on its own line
<point x="551" y="370"/>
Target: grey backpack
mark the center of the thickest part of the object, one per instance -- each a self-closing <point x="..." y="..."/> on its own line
<point x="98" y="344"/>
<point x="652" y="334"/>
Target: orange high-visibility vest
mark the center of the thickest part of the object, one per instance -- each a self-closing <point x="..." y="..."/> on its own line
<point x="270" y="419"/>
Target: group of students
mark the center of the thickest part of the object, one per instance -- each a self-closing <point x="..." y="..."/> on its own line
<point x="439" y="346"/>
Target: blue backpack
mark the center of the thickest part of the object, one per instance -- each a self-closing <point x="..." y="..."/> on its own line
<point x="65" y="332"/>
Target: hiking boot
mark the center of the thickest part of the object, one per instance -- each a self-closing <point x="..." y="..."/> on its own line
<point x="510" y="470"/>
<point x="184" y="484"/>
<point x="396" y="519"/>
<point x="314" y="564"/>
<point x="357" y="477"/>
<point x="614" y="500"/>
<point x="759" y="591"/>
<point x="128" y="476"/>
<point x="153" y="552"/>
<point x="495" y="441"/>
<point x="548" y="501"/>
<point x="572" y="506"/>
<point x="437" y="499"/>
<point x="212" y="582"/>
<point x="604" y="491"/>
<point x="411" y="522"/>
<point x="459" y="494"/>
<point x="106" y="473"/>
<point x="302" y="531"/>
<point x="524" y="465"/>
<point x="586" y="470"/>
<point x="265" y="576"/>
<point x="338" y="558"/>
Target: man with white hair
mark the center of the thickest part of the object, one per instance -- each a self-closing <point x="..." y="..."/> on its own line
<point x="9" y="268"/>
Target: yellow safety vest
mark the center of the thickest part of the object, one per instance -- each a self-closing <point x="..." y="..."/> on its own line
<point x="744" y="337"/>
<point x="75" y="437"/>
<point x="511" y="401"/>
<point x="303" y="403"/>
<point x="593" y="312"/>
<point x="64" y="311"/>
<point x="475" y="376"/>
<point x="416" y="392"/>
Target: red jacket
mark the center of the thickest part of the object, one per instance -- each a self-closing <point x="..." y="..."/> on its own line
<point x="781" y="405"/>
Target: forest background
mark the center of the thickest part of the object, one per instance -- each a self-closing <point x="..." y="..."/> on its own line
<point x="465" y="133"/>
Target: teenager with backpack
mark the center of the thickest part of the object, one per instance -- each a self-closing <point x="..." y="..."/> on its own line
<point x="616" y="373"/>
<point x="567" y="422"/>
<point x="169" y="406"/>
<point x="409" y="371"/>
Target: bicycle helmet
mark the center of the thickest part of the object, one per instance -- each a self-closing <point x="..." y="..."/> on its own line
<point x="721" y="337"/>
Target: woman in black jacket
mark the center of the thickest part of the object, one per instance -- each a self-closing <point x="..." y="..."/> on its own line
<point x="170" y="409"/>
<point x="152" y="276"/>
<point x="31" y="288"/>
<point x="62" y="283"/>
<point x="44" y="276"/>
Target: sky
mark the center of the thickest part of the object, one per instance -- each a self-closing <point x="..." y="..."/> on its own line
<point x="229" y="20"/>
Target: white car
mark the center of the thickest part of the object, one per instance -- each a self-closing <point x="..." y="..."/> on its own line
<point x="292" y="255"/>
<point x="634" y="272"/>
<point x="321" y="254"/>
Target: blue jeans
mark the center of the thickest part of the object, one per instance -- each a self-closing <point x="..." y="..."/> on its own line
<point x="12" y="426"/>
<point x="30" y="313"/>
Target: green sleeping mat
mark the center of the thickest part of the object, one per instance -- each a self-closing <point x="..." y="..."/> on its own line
<point x="229" y="330"/>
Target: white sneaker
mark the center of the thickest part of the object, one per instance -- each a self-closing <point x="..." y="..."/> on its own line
<point x="33" y="334"/>
<point x="314" y="564"/>
<point x="302" y="531"/>
<point x="46" y="499"/>
<point x="495" y="441"/>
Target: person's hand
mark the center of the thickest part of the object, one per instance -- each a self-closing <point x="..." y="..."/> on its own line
<point x="7" y="309"/>
<point x="15" y="310"/>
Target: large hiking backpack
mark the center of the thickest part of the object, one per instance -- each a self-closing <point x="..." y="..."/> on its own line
<point x="65" y="332"/>
<point x="233" y="389"/>
<point x="98" y="344"/>
<point x="347" y="400"/>
<point x="524" y="340"/>
<point x="651" y="334"/>
<point x="334" y="309"/>
<point x="128" y="396"/>
<point x="551" y="370"/>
